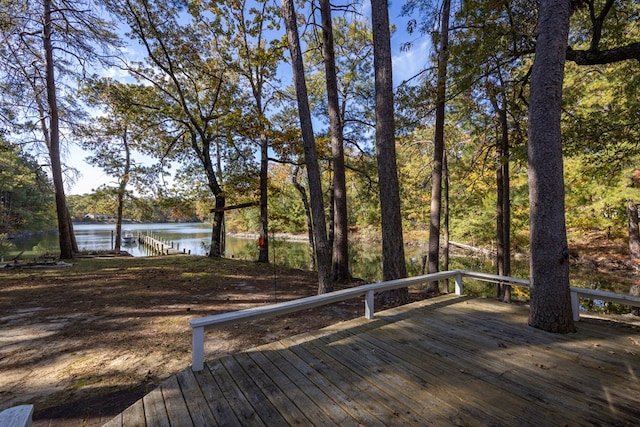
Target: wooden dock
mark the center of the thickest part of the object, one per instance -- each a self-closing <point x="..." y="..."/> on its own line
<point x="158" y="246"/>
<point x="445" y="361"/>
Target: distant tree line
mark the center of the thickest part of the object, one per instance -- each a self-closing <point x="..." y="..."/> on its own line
<point x="101" y="206"/>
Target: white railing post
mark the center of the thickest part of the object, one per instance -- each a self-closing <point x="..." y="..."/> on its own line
<point x="368" y="305"/>
<point x="197" y="356"/>
<point x="575" y="306"/>
<point x="458" y="286"/>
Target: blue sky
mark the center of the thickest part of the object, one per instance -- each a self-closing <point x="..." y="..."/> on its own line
<point x="406" y="64"/>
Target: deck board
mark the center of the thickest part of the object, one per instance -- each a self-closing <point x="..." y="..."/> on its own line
<point x="278" y="399"/>
<point x="444" y="361"/>
<point x="200" y="412"/>
<point x="220" y="408"/>
<point x="154" y="409"/>
<point x="174" y="401"/>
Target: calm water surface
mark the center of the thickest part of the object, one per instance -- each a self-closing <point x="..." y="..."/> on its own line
<point x="100" y="237"/>
<point x="365" y="258"/>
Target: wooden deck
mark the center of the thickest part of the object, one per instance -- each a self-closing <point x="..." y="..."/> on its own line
<point x="445" y="361"/>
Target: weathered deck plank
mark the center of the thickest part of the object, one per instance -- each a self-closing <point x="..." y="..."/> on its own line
<point x="445" y="361"/>
<point x="290" y="412"/>
<point x="134" y="415"/>
<point x="197" y="405"/>
<point x="177" y="410"/>
<point x="303" y="401"/>
<point x="220" y="408"/>
<point x="245" y="413"/>
<point x="154" y="410"/>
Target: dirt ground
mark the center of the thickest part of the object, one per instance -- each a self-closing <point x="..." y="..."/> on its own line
<point x="83" y="342"/>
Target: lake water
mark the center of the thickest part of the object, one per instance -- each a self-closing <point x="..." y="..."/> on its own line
<point x="366" y="259"/>
<point x="100" y="237"/>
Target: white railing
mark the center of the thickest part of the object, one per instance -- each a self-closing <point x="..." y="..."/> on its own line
<point x="198" y="326"/>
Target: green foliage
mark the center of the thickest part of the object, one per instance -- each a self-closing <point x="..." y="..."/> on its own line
<point x="286" y="209"/>
<point x="5" y="245"/>
<point x="101" y="205"/>
<point x="26" y="196"/>
<point x="208" y="95"/>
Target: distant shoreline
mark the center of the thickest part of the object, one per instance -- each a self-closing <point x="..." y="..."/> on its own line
<point x="277" y="236"/>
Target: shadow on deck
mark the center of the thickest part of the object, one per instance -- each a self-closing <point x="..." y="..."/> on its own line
<point x="445" y="361"/>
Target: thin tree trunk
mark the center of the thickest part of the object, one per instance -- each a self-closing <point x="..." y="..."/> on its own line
<point x="550" y="306"/>
<point x="499" y="220"/>
<point x="74" y="242"/>
<point x="122" y="190"/>
<point x="634" y="234"/>
<point x="216" y="249"/>
<point x="438" y="149"/>
<point x="445" y="230"/>
<point x="634" y="249"/>
<point x="506" y="211"/>
<point x="263" y="255"/>
<point x="503" y="205"/>
<point x="340" y="223"/>
<point x="332" y="208"/>
<point x="307" y="213"/>
<point x="394" y="266"/>
<point x="64" y="231"/>
<point x="310" y="153"/>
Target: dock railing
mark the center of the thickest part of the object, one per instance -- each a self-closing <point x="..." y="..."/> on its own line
<point x="198" y="326"/>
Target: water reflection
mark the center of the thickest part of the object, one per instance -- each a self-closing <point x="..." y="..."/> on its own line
<point x="101" y="237"/>
<point x="366" y="258"/>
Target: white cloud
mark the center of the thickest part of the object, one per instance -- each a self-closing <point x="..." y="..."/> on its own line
<point x="408" y="63"/>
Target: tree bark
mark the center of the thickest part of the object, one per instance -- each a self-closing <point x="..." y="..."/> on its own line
<point x="217" y="246"/>
<point x="216" y="249"/>
<point x="64" y="231"/>
<point x="307" y="213"/>
<point x="438" y="149"/>
<point x="340" y="222"/>
<point x="503" y="204"/>
<point x="393" y="263"/>
<point x="634" y="234"/>
<point x="607" y="56"/>
<point x="634" y="249"/>
<point x="445" y="225"/>
<point x="550" y="297"/>
<point x="263" y="255"/>
<point x="310" y="152"/>
<point x="122" y="190"/>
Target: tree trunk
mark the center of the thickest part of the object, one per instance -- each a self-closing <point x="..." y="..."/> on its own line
<point x="499" y="220"/>
<point x="64" y="231"/>
<point x="310" y="153"/>
<point x="74" y="242"/>
<point x="119" y="209"/>
<point x="438" y="149"/>
<point x="340" y="223"/>
<point x="122" y="190"/>
<point x="506" y="212"/>
<point x="634" y="249"/>
<point x="263" y="255"/>
<point x="393" y="263"/>
<point x="445" y="229"/>
<point x="634" y="234"/>
<point x="307" y="213"/>
<point x="217" y="249"/>
<point x="503" y="205"/>
<point x="550" y="297"/>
